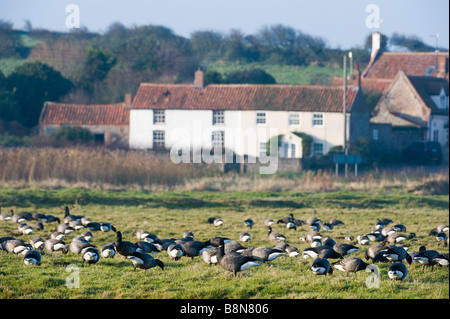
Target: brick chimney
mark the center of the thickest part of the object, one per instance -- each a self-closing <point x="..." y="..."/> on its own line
<point x="357" y="76"/>
<point x="128" y="99"/>
<point x="199" y="82"/>
<point x="376" y="43"/>
<point x="442" y="67"/>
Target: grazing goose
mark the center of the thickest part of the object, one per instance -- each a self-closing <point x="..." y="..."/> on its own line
<point x="266" y="254"/>
<point x="145" y="261"/>
<point x="328" y="241"/>
<point x="315" y="226"/>
<point x="93" y="226"/>
<point x="349" y="238"/>
<point x="37" y="243"/>
<point x="335" y="222"/>
<point x="313" y="220"/>
<point x="321" y="266"/>
<point x="106" y="227"/>
<point x="268" y="222"/>
<point x="77" y="244"/>
<point x="363" y="239"/>
<point x="379" y="225"/>
<point x="90" y="255"/>
<point x="16" y="246"/>
<point x="327" y="226"/>
<point x="345" y="249"/>
<point x="350" y="264"/>
<point x="234" y="262"/>
<point x="68" y="217"/>
<point x="25" y="229"/>
<point x="214" y="241"/>
<point x="397" y="271"/>
<point x="87" y="235"/>
<point x="125" y="248"/>
<point x="32" y="257"/>
<point x="215" y="221"/>
<point x="85" y="220"/>
<point x="291" y="225"/>
<point x="75" y="224"/>
<point x="64" y="228"/>
<point x="209" y="256"/>
<point x="39" y="226"/>
<point x="57" y="235"/>
<point x="399" y="228"/>
<point x="442" y="237"/>
<point x="376" y="236"/>
<point x="292" y="251"/>
<point x="374" y="250"/>
<point x="108" y="250"/>
<point x="21" y="217"/>
<point x="321" y="252"/>
<point x="249" y="223"/>
<point x="396" y="238"/>
<point x="5" y="217"/>
<point x="273" y="236"/>
<point x="147" y="247"/>
<point x="3" y="240"/>
<point x="313" y="235"/>
<point x="244" y="237"/>
<point x="188" y="234"/>
<point x="175" y="251"/>
<point x="234" y="246"/>
<point x="441" y="260"/>
<point x="52" y="219"/>
<point x="286" y="220"/>
<point x="52" y="245"/>
<point x="388" y="231"/>
<point x="146" y="236"/>
<point x="426" y="257"/>
<point x="316" y="243"/>
<point x="193" y="248"/>
<point x="397" y="253"/>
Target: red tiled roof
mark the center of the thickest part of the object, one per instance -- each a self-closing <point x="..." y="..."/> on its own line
<point x="243" y="97"/>
<point x="80" y="114"/>
<point x="388" y="64"/>
<point x="368" y="85"/>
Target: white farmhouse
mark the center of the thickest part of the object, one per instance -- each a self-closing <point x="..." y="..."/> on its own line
<point x="243" y="117"/>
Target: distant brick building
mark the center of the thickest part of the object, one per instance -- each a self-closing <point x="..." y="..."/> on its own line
<point x="109" y="123"/>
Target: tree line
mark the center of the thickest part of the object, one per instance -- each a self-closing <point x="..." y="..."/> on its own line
<point x="85" y="67"/>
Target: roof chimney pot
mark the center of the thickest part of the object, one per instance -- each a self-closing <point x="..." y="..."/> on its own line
<point x="199" y="79"/>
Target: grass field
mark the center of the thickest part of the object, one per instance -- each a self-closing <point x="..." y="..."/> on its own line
<point x="169" y="214"/>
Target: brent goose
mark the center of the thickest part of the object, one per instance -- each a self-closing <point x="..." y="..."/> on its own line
<point x="321" y="266"/>
<point x="193" y="248"/>
<point x="249" y="223"/>
<point x="335" y="222"/>
<point x="16" y="246"/>
<point x="244" y="237"/>
<point x="125" y="248"/>
<point x="273" y="236"/>
<point x="175" y="251"/>
<point x="37" y="243"/>
<point x="441" y="260"/>
<point x="32" y="257"/>
<point x="144" y="261"/>
<point x="442" y="237"/>
<point x="146" y="247"/>
<point x="106" y="227"/>
<point x="350" y="264"/>
<point x="397" y="253"/>
<point x="399" y="228"/>
<point x="363" y="239"/>
<point x="286" y="220"/>
<point x="56" y="245"/>
<point x="5" y="217"/>
<point x="397" y="271"/>
<point x="234" y="262"/>
<point x="108" y="250"/>
<point x="209" y="256"/>
<point x="345" y="249"/>
<point x="90" y="255"/>
<point x="268" y="222"/>
<point x="321" y="252"/>
<point x="426" y="257"/>
<point x="264" y="254"/>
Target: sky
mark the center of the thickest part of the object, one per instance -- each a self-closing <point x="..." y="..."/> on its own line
<point x="341" y="23"/>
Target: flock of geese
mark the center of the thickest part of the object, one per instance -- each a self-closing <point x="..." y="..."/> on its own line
<point x="384" y="245"/>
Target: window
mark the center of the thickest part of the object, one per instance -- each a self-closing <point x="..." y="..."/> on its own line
<point x="317" y="119"/>
<point x="218" y="138"/>
<point x="260" y="118"/>
<point x="430" y="70"/>
<point x="293" y="151"/>
<point x="262" y="149"/>
<point x="218" y="117"/>
<point x="285" y="148"/>
<point x="159" y="117"/>
<point x="435" y="136"/>
<point x="294" y="118"/>
<point x="317" y="149"/>
<point x="375" y="134"/>
<point x="158" y="139"/>
<point x="443" y="101"/>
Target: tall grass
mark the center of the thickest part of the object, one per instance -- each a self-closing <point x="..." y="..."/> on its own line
<point x="91" y="167"/>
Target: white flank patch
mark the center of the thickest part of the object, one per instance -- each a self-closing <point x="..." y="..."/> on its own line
<point x="107" y="253"/>
<point x="38" y="244"/>
<point x="442" y="261"/>
<point x="58" y="246"/>
<point x="214" y="260"/>
<point x="309" y="254"/>
<point x="60" y="237"/>
<point x="30" y="261"/>
<point x="422" y="260"/>
<point x="399" y="239"/>
<point x="28" y="231"/>
<point x="136" y="260"/>
<point x="395" y="274"/>
<point x="174" y="253"/>
<point x="318" y="270"/>
<point x="246" y="238"/>
<point x="365" y="242"/>
<point x="351" y="251"/>
<point x="294" y="253"/>
<point x="21" y="250"/>
<point x="249" y="265"/>
<point x="339" y="267"/>
<point x="273" y="256"/>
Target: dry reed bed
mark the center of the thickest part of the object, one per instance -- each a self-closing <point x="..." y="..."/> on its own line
<point x="119" y="169"/>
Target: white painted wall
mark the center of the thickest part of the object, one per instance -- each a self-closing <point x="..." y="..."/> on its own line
<point x="438" y="122"/>
<point x="194" y="128"/>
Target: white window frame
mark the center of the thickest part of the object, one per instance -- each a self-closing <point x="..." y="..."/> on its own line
<point x="294" y="122"/>
<point x="159" y="139"/>
<point x="261" y="116"/>
<point x="159" y="116"/>
<point x="262" y="149"/>
<point x="315" y="117"/>
<point x="218" y="117"/>
<point x="293" y="151"/>
<point x="216" y="141"/>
